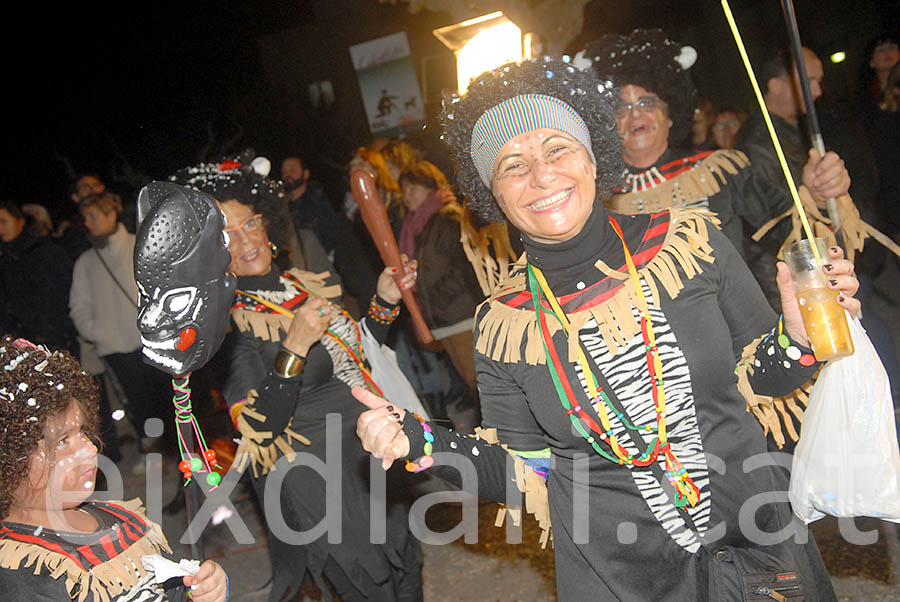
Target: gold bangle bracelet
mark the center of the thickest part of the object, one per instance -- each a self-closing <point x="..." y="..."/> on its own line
<point x="288" y="364"/>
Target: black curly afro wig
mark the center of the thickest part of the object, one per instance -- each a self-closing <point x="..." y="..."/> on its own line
<point x="36" y="384"/>
<point x="245" y="179"/>
<point x="647" y="58"/>
<point x="594" y="100"/>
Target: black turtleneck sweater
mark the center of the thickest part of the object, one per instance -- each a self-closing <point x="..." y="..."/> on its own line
<point x="616" y="533"/>
<point x="565" y="263"/>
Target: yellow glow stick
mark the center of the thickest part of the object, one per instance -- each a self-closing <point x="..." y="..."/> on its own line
<point x="765" y="113"/>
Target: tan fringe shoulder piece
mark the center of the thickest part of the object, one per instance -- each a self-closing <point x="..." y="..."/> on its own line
<point x="488" y="250"/>
<point x="273" y="327"/>
<point x="689" y="189"/>
<point x="772" y="412"/>
<point x="529" y="483"/>
<point x="853" y="230"/>
<point x="262" y="457"/>
<point x="502" y="329"/>
<point x="316" y="283"/>
<point x="111" y="578"/>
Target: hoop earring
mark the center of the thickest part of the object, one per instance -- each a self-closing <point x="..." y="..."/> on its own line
<point x="274" y="248"/>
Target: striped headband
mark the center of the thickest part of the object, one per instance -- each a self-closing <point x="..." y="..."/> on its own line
<point x="516" y="116"/>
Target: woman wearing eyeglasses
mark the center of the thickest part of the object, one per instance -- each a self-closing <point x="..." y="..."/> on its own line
<point x="654" y="121"/>
<point x="293" y="355"/>
<point x="727" y="123"/>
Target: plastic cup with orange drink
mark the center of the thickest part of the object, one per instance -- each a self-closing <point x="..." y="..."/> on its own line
<point x="825" y="320"/>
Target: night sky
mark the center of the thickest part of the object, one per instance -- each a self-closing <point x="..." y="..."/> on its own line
<point x="138" y="84"/>
<point x="116" y="86"/>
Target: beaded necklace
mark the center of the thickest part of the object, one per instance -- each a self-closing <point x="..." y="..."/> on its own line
<point x="583" y="423"/>
<point x="356" y="355"/>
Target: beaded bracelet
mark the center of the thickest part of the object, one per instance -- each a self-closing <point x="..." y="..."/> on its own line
<point x="426" y="461"/>
<point x="791" y="351"/>
<point x="382" y="314"/>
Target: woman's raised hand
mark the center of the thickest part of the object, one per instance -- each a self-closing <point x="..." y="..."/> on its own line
<point x="380" y="428"/>
<point x="309" y="324"/>
<point x="839" y="272"/>
<point x="388" y="289"/>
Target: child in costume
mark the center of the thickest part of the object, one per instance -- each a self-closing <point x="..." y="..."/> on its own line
<point x="55" y="544"/>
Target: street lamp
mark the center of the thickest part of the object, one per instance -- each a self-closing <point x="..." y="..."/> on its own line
<point x="482" y="43"/>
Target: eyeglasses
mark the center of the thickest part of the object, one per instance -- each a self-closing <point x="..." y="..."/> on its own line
<point x="644" y="103"/>
<point x="248" y="226"/>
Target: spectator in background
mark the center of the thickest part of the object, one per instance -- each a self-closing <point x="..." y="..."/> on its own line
<point x="310" y="207"/>
<point x="41" y="224"/>
<point x="86" y="185"/>
<point x="785" y="105"/>
<point x="882" y="54"/>
<point x="842" y="134"/>
<point x="702" y="126"/>
<point x="883" y="126"/>
<point x="35" y="275"/>
<point x="447" y="290"/>
<point x="726" y="124"/>
<point x="103" y="305"/>
<point x="32" y="272"/>
<point x="70" y="233"/>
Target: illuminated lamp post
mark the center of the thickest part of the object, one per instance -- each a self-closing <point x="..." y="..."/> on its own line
<point x="482" y="43"/>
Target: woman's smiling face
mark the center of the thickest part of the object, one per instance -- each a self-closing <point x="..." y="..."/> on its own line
<point x="643" y="123"/>
<point x="545" y="182"/>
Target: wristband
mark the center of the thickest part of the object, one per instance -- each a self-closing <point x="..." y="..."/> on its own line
<point x="426" y="461"/>
<point x="288" y="364"/>
<point x="382" y="314"/>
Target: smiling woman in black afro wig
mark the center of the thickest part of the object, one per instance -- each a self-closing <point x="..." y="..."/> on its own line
<point x="649" y="59"/>
<point x="594" y="100"/>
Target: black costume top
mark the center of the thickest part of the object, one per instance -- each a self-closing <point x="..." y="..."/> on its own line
<point x="104" y="566"/>
<point x="283" y="421"/>
<point x="616" y="532"/>
<point x="721" y="181"/>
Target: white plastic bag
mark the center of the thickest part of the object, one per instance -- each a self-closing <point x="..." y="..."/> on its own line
<point x="387" y="374"/>
<point x="847" y="462"/>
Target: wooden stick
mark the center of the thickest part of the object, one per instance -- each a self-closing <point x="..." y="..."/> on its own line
<point x="362" y="185"/>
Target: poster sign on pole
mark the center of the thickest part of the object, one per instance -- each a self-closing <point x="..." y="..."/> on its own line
<point x="388" y="84"/>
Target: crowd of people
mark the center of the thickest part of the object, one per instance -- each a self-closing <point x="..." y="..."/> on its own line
<point x="613" y="362"/>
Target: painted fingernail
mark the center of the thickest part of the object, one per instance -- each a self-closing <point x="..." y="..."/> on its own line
<point x="841" y="298"/>
<point x="390" y="408"/>
<point x="834" y="249"/>
<point x="832" y="282"/>
<point x="397" y="415"/>
<point x="393" y="270"/>
<point x="828" y="267"/>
